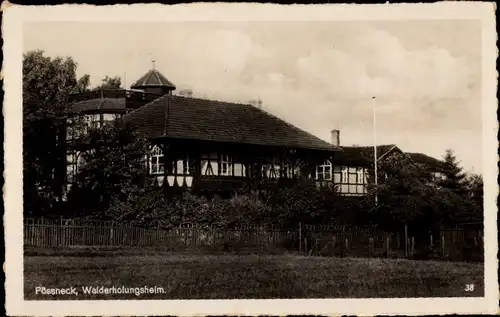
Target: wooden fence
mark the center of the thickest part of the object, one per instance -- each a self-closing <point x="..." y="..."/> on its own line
<point x="452" y="244"/>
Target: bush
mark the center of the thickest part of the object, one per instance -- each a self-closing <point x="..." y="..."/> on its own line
<point x="284" y="207"/>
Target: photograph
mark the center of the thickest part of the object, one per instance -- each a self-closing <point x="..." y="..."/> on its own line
<point x="174" y="154"/>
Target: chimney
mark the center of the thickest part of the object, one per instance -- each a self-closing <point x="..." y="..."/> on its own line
<point x="335" y="137"/>
<point x="256" y="103"/>
<point x="186" y="93"/>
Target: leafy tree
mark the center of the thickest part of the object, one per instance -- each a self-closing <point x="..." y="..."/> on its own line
<point x="110" y="83"/>
<point x="46" y="84"/>
<point x="407" y="196"/>
<point x="83" y="84"/>
<point x="113" y="168"/>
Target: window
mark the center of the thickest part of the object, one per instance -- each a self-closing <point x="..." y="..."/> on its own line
<point x="239" y="170"/>
<point x="220" y="164"/>
<point x="156" y="161"/>
<point x="353" y="176"/>
<point x="73" y="161"/>
<point x="209" y="163"/>
<point x="185" y="166"/>
<point x="337" y="175"/>
<point x="265" y="170"/>
<point x="344" y="175"/>
<point x="273" y="171"/>
<point x="361" y="175"/>
<point x="352" y="180"/>
<point x="181" y="166"/>
<point x="324" y="171"/>
<point x="287" y="170"/>
<point x="225" y="165"/>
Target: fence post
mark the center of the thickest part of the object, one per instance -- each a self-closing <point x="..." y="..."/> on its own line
<point x="61" y="232"/>
<point x="305" y="245"/>
<point x="442" y="246"/>
<point x="346" y="244"/>
<point x="300" y="237"/>
<point x="387" y="245"/>
<point x="314" y="246"/>
<point x="432" y="242"/>
<point x="370" y="247"/>
<point x="406" y="240"/>
<point x="111" y="240"/>
<point x="412" y="245"/>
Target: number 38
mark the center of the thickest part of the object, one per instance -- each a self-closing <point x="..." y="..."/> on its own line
<point x="469" y="287"/>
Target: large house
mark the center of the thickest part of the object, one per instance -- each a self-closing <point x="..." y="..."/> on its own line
<point x="208" y="145"/>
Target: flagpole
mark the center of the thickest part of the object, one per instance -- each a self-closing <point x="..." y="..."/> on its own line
<point x="375" y="159"/>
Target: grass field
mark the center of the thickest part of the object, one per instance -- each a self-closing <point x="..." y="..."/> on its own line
<point x="198" y="276"/>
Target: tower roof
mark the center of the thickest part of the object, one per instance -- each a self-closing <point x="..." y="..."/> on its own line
<point x="153" y="78"/>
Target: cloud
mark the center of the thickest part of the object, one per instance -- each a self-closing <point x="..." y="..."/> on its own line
<point x="315" y="75"/>
<point x="374" y="62"/>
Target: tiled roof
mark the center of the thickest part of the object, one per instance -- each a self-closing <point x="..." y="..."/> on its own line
<point x="209" y="120"/>
<point x="98" y="105"/>
<point x="363" y="155"/>
<point x="153" y="78"/>
<point x="427" y="160"/>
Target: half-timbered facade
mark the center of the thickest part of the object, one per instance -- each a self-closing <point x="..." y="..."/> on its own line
<point x="212" y="145"/>
<point x="208" y="145"/>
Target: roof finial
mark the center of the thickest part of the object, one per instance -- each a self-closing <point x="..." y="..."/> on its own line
<point x="154" y="61"/>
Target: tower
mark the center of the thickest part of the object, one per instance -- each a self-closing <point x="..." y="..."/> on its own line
<point x="154" y="82"/>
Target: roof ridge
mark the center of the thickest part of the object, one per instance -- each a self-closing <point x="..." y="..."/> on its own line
<point x="154" y="71"/>
<point x="367" y="146"/>
<point x="291" y="125"/>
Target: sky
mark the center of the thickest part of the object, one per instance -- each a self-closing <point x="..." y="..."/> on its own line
<point x="319" y="76"/>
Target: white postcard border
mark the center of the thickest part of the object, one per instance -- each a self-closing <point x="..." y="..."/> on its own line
<point x="12" y="27"/>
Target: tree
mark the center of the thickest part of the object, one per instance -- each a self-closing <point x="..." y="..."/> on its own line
<point x="475" y="195"/>
<point x="83" y="84"/>
<point x="474" y="184"/>
<point x="455" y="178"/>
<point x="110" y="83"/>
<point x="47" y="83"/>
<point x="408" y="197"/>
<point x="113" y="168"/>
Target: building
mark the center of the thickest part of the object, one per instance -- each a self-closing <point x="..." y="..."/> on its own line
<point x="209" y="145"/>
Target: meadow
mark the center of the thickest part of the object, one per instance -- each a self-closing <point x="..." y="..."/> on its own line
<point x="191" y="275"/>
